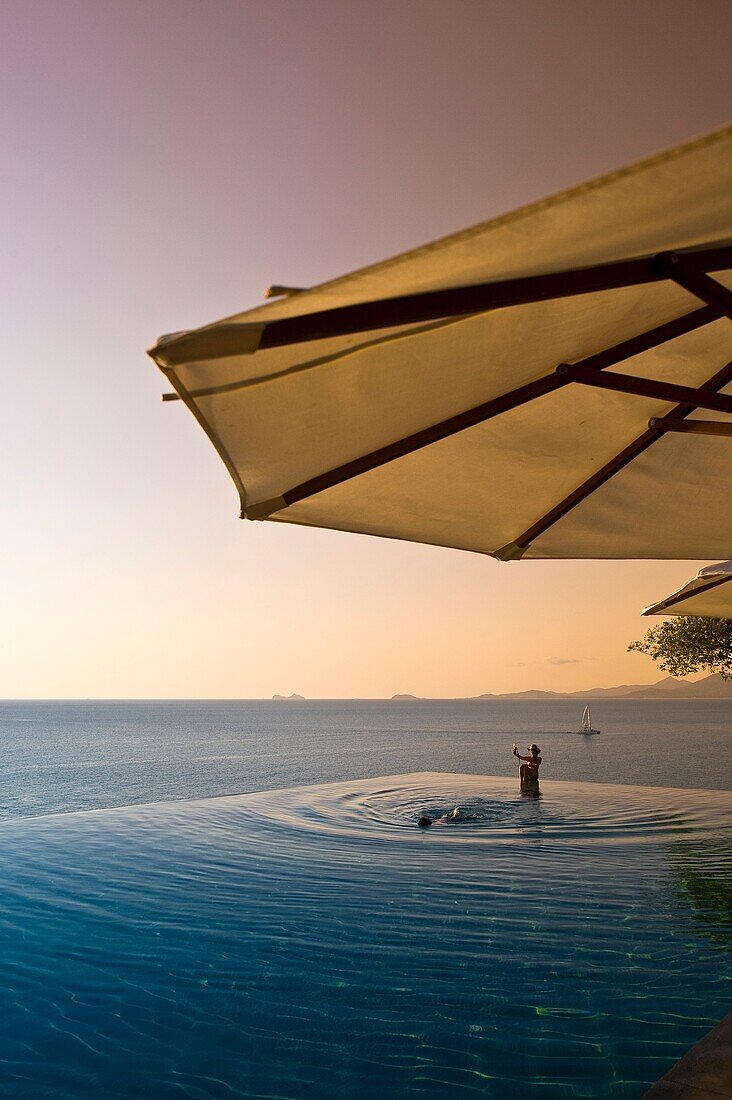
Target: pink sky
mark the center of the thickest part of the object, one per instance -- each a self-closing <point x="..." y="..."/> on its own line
<point x="163" y="162"/>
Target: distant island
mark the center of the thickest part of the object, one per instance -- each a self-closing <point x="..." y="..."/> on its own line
<point x="711" y="687"/>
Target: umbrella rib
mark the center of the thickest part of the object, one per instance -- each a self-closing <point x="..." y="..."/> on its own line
<point x="645" y="387"/>
<point x="480" y="413"/>
<point x="692" y="427"/>
<point x="480" y="298"/>
<point x="240" y="338"/>
<point x="518" y="547"/>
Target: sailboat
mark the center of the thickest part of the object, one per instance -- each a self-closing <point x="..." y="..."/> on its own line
<point x="587" y="722"/>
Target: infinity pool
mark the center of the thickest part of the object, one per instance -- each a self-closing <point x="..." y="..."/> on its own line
<point x="314" y="942"/>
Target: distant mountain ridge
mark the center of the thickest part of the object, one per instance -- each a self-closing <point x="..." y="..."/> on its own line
<point x="711" y="687"/>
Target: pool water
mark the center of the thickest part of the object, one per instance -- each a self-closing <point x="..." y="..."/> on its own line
<point x="314" y="942"/>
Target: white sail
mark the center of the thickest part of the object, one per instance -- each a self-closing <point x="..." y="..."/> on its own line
<point x="587" y="722"/>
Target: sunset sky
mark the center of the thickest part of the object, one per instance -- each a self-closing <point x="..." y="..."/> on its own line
<point x="166" y="160"/>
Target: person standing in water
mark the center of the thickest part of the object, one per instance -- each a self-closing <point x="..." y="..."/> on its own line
<point x="529" y="768"/>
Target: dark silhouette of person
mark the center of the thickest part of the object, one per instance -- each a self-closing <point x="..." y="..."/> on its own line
<point x="529" y="768"/>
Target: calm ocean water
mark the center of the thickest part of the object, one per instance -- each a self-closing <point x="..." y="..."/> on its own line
<point x="56" y="757"/>
<point x="309" y="941"/>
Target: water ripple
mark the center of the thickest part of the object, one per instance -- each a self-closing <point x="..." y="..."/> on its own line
<point x="493" y="809"/>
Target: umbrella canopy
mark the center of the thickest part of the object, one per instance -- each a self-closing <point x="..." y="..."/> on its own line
<point x="709" y="595"/>
<point x="527" y="388"/>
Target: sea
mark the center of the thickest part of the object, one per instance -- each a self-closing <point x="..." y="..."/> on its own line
<point x="232" y="899"/>
<point x="57" y="757"/>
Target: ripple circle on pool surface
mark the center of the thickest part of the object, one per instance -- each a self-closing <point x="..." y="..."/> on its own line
<point x="314" y="942"/>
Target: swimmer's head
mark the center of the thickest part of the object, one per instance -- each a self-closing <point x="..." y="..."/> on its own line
<point x="424" y="822"/>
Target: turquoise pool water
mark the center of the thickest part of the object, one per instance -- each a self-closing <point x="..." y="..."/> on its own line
<point x="313" y="942"/>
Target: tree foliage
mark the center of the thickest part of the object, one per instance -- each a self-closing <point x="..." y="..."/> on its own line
<point x="690" y="644"/>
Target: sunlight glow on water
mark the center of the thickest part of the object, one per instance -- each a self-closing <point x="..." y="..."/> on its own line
<point x="314" y="942"/>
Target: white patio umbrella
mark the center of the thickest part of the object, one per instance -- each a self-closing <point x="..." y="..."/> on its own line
<point x="708" y="595"/>
<point x="525" y="388"/>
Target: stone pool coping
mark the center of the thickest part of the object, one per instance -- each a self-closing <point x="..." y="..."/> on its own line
<point x="704" y="1072"/>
